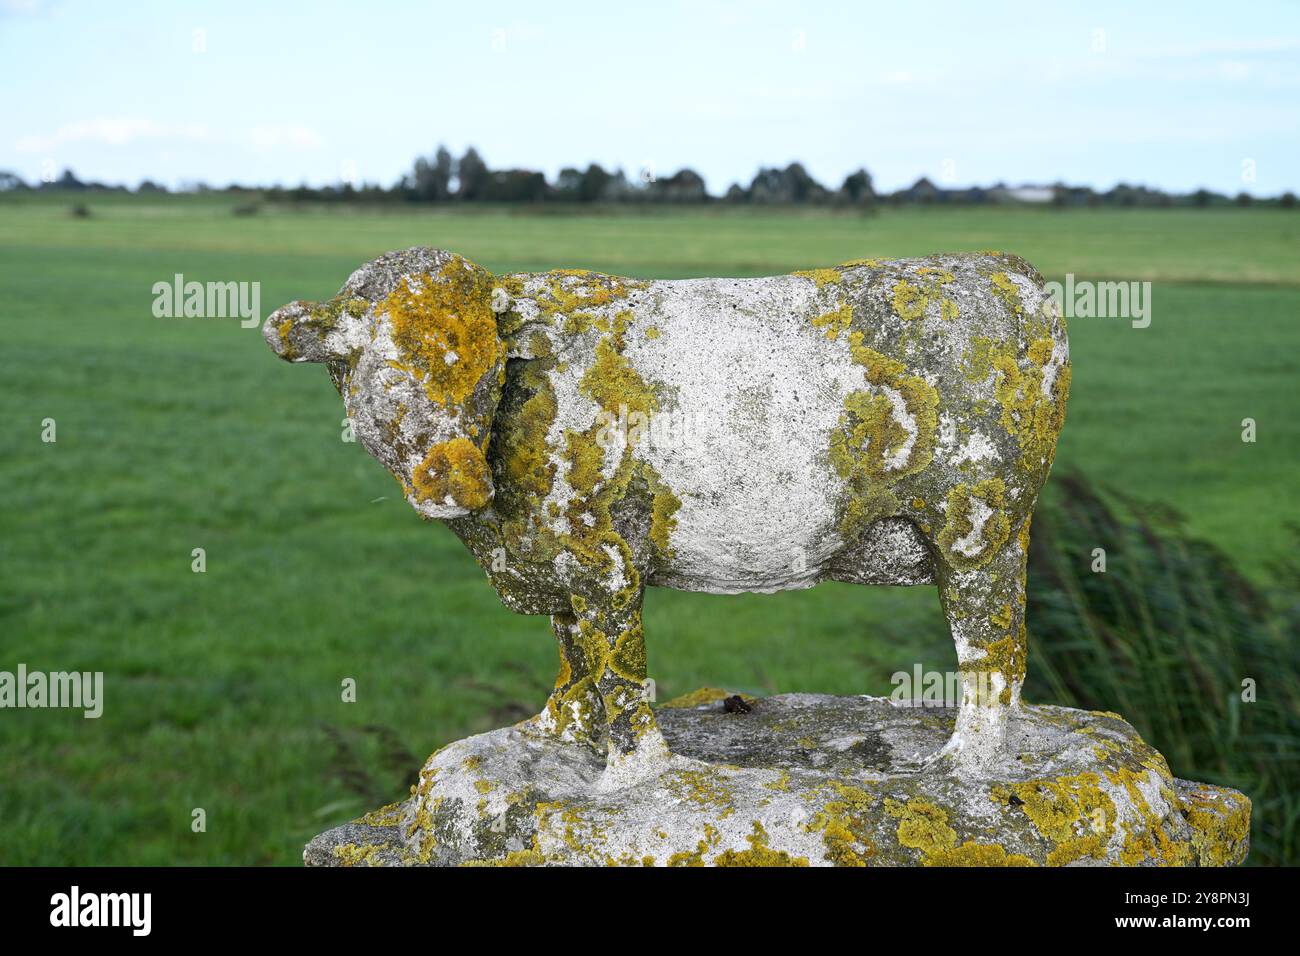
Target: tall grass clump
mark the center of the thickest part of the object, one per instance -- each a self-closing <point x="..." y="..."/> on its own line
<point x="1171" y="636"/>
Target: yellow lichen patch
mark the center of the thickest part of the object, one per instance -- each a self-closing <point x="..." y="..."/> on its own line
<point x="922" y="826"/>
<point x="1006" y="290"/>
<point x="1001" y="618"/>
<point x="704" y="788"/>
<point x="835" y="322"/>
<point x="580" y="834"/>
<point x="569" y="299"/>
<point x="586" y="460"/>
<point x="909" y="301"/>
<point x="710" y="840"/>
<point x="533" y="856"/>
<point x="1074" y="812"/>
<point x="1005" y="657"/>
<point x="1220" y="822"/>
<point x="589" y="534"/>
<point x="912" y="300"/>
<point x="845" y="826"/>
<point x="872" y="447"/>
<point x="759" y="853"/>
<point x="781" y="783"/>
<point x="1148" y="838"/>
<point x="1023" y="534"/>
<point x="823" y="277"/>
<point x="445" y="330"/>
<point x="353" y="854"/>
<point x="628" y="658"/>
<point x="454" y="469"/>
<point x="959" y="524"/>
<point x="1030" y="391"/>
<point x="977" y="854"/>
<point x="611" y="381"/>
<point x="664" y="505"/>
<point x="388" y="816"/>
<point x="286" y="344"/>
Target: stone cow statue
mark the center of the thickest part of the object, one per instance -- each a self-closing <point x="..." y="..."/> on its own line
<point x="585" y="435"/>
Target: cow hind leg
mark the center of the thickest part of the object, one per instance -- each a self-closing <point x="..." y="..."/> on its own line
<point x="985" y="607"/>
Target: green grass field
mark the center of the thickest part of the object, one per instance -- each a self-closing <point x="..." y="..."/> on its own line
<point x="223" y="688"/>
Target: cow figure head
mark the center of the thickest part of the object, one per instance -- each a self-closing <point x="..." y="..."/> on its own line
<point x="411" y="343"/>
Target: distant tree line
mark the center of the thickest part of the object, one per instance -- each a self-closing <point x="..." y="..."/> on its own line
<point x="444" y="178"/>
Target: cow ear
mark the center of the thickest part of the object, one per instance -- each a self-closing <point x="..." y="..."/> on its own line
<point x="315" y="331"/>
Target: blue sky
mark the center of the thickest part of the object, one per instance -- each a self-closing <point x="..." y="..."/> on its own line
<point x="1176" y="95"/>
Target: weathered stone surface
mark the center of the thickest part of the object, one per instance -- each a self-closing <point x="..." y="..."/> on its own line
<point x="805" y="779"/>
<point x="882" y="421"/>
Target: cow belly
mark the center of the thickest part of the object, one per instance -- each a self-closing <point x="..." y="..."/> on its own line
<point x="756" y="393"/>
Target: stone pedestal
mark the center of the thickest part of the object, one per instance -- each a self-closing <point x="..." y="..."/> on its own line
<point x="806" y="780"/>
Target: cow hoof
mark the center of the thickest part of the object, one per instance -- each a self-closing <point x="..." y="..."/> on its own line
<point x="650" y="758"/>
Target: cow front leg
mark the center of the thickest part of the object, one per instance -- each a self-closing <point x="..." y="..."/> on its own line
<point x="574" y="711"/>
<point x="610" y="627"/>
<point x="985" y="607"/>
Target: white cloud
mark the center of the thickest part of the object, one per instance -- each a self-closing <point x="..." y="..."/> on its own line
<point x="122" y="131"/>
<point x="275" y="137"/>
<point x="20" y="8"/>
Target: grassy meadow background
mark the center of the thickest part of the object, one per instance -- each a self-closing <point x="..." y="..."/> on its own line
<point x="222" y="689"/>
